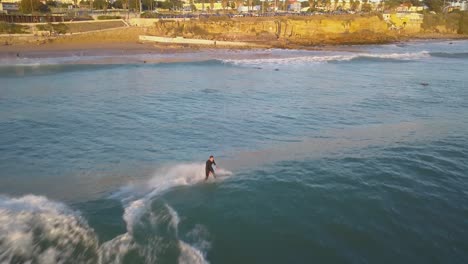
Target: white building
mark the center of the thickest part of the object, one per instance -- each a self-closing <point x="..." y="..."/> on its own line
<point x="459" y="5"/>
<point x="7" y="7"/>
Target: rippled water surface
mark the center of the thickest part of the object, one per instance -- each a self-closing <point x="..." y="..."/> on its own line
<point x="357" y="155"/>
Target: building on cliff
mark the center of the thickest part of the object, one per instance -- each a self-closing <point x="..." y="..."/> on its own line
<point x="407" y="21"/>
<point x="461" y="5"/>
<point x="8" y="7"/>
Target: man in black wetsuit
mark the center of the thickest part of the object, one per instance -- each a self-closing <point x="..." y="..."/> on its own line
<point x="209" y="167"/>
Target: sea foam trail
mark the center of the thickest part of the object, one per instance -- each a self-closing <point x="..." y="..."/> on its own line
<point x="138" y="200"/>
<point x="163" y="180"/>
<point x="34" y="229"/>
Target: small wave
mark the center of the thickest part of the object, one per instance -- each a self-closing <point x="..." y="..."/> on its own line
<point x="315" y="59"/>
<point x="459" y="55"/>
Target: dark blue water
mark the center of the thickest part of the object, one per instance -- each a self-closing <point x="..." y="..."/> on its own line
<point x="349" y="156"/>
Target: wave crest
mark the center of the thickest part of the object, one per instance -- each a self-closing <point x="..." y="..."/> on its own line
<point x="314" y="59"/>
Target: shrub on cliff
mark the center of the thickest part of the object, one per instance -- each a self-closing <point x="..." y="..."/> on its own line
<point x="9" y="28"/>
<point x="216" y="18"/>
<point x="37" y="6"/>
<point x="463" y="23"/>
<point x="454" y="22"/>
<point x="59" y="28"/>
<point x="108" y="17"/>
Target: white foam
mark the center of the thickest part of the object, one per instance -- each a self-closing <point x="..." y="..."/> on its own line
<point x="132" y="212"/>
<point x="30" y="222"/>
<point x="137" y="199"/>
<point x="37" y="230"/>
<point x="190" y="255"/>
<point x="316" y="58"/>
<point x="113" y="251"/>
<point x="175" y="220"/>
<point x="163" y="180"/>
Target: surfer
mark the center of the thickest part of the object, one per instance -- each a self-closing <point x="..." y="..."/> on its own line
<point x="209" y="168"/>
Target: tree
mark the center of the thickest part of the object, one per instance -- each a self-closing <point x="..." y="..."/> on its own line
<point x="434" y="5"/>
<point x="366" y="7"/>
<point x="134" y="5"/>
<point x="336" y="4"/>
<point x="391" y="4"/>
<point x="312" y="4"/>
<point x="212" y="2"/>
<point x="355" y="5"/>
<point x="118" y="4"/>
<point x="327" y="4"/>
<point x="37" y="6"/>
<point x="250" y="2"/>
<point x="239" y="3"/>
<point x="99" y="4"/>
<point x="225" y="4"/>
<point x="147" y="4"/>
<point x="52" y="3"/>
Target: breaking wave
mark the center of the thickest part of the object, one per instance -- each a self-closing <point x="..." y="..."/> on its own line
<point x="311" y="59"/>
<point x="450" y="55"/>
<point x="34" y="229"/>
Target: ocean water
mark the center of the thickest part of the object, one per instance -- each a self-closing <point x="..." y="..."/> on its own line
<point x="352" y="155"/>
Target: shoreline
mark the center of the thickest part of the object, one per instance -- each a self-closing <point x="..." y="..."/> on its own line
<point x="128" y="48"/>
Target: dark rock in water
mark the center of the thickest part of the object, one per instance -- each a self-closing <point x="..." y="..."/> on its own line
<point x="258" y="68"/>
<point x="424" y="84"/>
<point x="276" y="69"/>
<point x="450" y="43"/>
<point x="208" y="90"/>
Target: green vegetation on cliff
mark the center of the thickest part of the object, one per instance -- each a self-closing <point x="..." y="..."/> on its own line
<point x="9" y="28"/>
<point x="455" y="22"/>
<point x="59" y="28"/>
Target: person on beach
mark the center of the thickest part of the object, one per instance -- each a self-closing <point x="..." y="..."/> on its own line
<point x="209" y="168"/>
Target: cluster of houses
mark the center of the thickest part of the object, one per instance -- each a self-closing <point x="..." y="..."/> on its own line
<point x="246" y="6"/>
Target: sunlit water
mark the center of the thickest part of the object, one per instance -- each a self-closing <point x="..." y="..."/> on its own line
<point x="351" y="156"/>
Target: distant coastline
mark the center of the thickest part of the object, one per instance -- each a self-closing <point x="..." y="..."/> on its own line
<point x="320" y="32"/>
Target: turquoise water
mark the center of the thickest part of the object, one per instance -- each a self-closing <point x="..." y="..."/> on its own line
<point x="357" y="155"/>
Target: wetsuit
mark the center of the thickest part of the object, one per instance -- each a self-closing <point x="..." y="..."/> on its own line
<point x="209" y="168"/>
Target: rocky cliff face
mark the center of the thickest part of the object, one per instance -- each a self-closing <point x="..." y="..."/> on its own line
<point x="283" y="31"/>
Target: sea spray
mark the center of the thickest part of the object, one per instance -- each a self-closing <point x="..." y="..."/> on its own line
<point x="35" y="229"/>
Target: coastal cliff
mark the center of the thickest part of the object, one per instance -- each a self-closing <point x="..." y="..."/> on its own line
<point x="283" y="31"/>
<point x="279" y="32"/>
